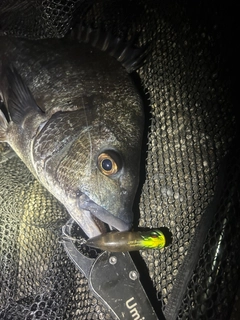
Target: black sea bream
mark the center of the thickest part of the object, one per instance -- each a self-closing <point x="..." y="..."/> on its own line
<point x="76" y="121"/>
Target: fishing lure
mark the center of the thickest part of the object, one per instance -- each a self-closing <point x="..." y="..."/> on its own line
<point x="128" y="241"/>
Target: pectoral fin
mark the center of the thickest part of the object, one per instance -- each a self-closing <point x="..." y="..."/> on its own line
<point x="17" y="96"/>
<point x="3" y="127"/>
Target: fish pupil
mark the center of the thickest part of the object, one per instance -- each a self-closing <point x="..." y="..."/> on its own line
<point x="107" y="165"/>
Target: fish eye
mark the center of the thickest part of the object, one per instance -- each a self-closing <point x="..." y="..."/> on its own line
<point x="109" y="163"/>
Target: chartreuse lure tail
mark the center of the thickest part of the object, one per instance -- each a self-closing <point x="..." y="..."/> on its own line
<point x="128" y="241"/>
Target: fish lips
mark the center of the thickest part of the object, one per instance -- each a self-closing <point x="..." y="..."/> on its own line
<point x="85" y="203"/>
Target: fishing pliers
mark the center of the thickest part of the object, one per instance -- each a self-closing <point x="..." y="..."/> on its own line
<point x="113" y="279"/>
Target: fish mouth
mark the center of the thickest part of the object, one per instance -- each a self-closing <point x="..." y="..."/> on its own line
<point x="104" y="219"/>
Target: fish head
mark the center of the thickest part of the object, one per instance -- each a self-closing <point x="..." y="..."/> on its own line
<point x="93" y="171"/>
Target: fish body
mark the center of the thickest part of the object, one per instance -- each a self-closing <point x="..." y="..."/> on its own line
<point x="76" y="121"/>
<point x="128" y="241"/>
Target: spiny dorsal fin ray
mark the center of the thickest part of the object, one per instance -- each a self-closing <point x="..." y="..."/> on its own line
<point x="126" y="52"/>
<point x="17" y="96"/>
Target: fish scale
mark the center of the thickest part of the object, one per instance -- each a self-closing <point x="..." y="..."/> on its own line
<point x="61" y="143"/>
<point x="191" y="129"/>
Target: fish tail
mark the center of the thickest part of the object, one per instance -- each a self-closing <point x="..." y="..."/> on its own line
<point x="3" y="127"/>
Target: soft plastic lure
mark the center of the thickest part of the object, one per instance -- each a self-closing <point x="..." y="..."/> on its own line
<point x="128" y="241"/>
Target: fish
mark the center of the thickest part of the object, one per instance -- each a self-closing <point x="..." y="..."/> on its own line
<point x="76" y="119"/>
<point x="128" y="241"/>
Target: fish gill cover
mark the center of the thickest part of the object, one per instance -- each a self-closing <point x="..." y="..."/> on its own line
<point x="191" y="179"/>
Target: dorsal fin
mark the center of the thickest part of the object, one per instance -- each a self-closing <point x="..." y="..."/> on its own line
<point x="16" y="95"/>
<point x="130" y="56"/>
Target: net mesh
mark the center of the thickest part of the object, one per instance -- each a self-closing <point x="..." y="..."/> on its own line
<point x="191" y="131"/>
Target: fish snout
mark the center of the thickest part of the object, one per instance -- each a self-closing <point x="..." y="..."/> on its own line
<point x="120" y="220"/>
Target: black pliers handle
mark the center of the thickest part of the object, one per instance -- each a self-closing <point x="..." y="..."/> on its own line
<point x="113" y="279"/>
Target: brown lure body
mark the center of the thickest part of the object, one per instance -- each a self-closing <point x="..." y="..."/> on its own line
<point x="128" y="241"/>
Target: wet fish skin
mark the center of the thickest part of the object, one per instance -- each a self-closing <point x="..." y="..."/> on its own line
<point x="82" y="104"/>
